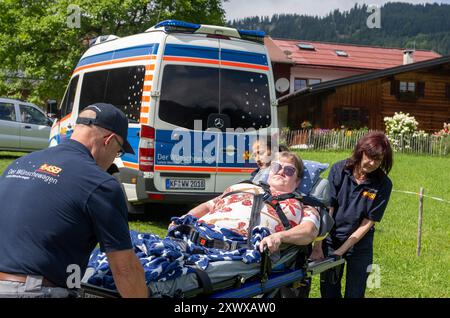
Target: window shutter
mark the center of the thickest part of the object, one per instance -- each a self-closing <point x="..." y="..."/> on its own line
<point x="395" y="87"/>
<point x="420" y="89"/>
<point x="447" y="91"/>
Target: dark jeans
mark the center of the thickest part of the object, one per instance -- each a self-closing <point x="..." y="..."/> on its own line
<point x="357" y="258"/>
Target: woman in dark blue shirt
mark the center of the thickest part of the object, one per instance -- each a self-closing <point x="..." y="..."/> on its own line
<point x="360" y="191"/>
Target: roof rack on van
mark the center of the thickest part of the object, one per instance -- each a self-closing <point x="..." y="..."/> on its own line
<point x="102" y="39"/>
<point x="187" y="27"/>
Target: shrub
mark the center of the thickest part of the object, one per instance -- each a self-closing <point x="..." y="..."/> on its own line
<point x="400" y="124"/>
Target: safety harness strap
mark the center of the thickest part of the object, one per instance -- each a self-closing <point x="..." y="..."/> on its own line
<point x="204" y="281"/>
<point x="274" y="202"/>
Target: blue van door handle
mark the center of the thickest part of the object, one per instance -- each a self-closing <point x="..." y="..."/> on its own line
<point x="27" y="127"/>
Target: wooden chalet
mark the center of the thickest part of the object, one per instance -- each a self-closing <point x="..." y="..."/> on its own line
<point x="421" y="89"/>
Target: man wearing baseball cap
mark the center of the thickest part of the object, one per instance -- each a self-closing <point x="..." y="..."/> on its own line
<point x="58" y="203"/>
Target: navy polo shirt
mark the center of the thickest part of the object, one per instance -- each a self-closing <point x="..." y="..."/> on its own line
<point x="56" y="205"/>
<point x="352" y="202"/>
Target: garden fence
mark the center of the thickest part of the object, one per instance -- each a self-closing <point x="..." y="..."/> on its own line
<point x="324" y="139"/>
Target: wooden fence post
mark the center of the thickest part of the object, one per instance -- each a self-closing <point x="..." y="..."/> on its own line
<point x="419" y="227"/>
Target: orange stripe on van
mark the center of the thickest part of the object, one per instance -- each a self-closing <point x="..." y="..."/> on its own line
<point x="131" y="165"/>
<point x="235" y="170"/>
<point x="128" y="59"/>
<point x="145" y="98"/>
<point x="148" y="77"/>
<point x="145" y="109"/>
<point x="147" y="88"/>
<point x="190" y="59"/>
<point x="65" y="118"/>
<point x="203" y="169"/>
<point x="150" y="67"/>
<point x="143" y="120"/>
<point x="184" y="168"/>
<point x="245" y="65"/>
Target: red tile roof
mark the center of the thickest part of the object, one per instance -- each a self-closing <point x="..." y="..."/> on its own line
<point x="359" y="56"/>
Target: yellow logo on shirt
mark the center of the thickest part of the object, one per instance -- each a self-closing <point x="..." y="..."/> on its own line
<point x="369" y="195"/>
<point x="50" y="169"/>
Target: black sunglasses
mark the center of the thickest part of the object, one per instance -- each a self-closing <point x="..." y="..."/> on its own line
<point x="121" y="152"/>
<point x="275" y="167"/>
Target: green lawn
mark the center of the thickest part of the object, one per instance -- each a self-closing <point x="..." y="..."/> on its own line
<point x="403" y="274"/>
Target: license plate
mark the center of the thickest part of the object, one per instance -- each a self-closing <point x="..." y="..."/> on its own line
<point x="185" y="184"/>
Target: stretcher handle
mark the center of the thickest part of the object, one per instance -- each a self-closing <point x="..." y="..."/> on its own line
<point x="266" y="264"/>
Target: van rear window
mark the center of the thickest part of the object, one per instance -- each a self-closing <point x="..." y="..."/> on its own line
<point x="121" y="87"/>
<point x="191" y="93"/>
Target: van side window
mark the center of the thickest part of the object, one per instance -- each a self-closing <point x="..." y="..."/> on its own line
<point x="7" y="112"/>
<point x="121" y="87"/>
<point x="188" y="93"/>
<point x="69" y="97"/>
<point x="30" y="115"/>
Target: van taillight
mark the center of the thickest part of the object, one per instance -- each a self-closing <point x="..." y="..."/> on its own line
<point x="147" y="149"/>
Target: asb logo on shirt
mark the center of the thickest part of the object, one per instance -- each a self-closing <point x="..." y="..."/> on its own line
<point x="53" y="170"/>
<point x="369" y="195"/>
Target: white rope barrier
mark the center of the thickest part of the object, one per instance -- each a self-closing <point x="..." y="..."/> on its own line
<point x="426" y="196"/>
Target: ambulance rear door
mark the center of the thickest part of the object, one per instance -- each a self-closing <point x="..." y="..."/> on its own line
<point x="185" y="154"/>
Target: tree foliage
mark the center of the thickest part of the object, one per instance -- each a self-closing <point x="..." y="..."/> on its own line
<point x="40" y="45"/>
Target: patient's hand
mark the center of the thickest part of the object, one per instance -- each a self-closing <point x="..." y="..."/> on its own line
<point x="171" y="224"/>
<point x="272" y="241"/>
<point x="317" y="254"/>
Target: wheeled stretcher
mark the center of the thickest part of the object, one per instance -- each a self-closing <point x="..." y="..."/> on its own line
<point x="288" y="277"/>
<point x="283" y="274"/>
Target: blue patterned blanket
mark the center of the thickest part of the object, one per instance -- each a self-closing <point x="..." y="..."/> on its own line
<point x="170" y="257"/>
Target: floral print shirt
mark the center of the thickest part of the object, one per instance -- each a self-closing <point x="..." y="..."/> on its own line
<point x="233" y="212"/>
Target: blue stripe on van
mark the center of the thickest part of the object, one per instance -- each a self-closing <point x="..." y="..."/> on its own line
<point x="244" y="57"/>
<point x="119" y="54"/>
<point x="96" y="58"/>
<point x="213" y="53"/>
<point x="192" y="51"/>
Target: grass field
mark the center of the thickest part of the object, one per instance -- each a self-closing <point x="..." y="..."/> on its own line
<point x="402" y="273"/>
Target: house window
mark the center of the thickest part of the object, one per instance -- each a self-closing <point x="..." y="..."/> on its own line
<point x="313" y="81"/>
<point x="306" y="46"/>
<point x="300" y="83"/>
<point x="351" y="117"/>
<point x="447" y="91"/>
<point x="341" y="53"/>
<point x="407" y="87"/>
<point x="407" y="90"/>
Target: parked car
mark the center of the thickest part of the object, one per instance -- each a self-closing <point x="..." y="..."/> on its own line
<point x="23" y="126"/>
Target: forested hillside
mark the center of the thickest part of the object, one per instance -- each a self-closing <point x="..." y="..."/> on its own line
<point x="403" y="25"/>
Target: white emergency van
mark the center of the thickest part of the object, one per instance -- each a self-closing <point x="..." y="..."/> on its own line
<point x="181" y="85"/>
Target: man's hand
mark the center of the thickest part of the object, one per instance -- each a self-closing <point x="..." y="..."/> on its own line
<point x="128" y="274"/>
<point x="338" y="252"/>
<point x="272" y="241"/>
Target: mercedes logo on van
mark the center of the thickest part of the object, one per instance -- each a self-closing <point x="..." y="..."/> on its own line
<point x="219" y="123"/>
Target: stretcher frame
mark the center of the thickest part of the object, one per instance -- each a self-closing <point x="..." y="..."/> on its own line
<point x="237" y="287"/>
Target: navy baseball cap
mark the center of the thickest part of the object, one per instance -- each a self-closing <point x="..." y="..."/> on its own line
<point x="110" y="118"/>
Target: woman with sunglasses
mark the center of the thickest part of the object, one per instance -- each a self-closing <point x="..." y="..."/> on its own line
<point x="233" y="211"/>
<point x="360" y="191"/>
